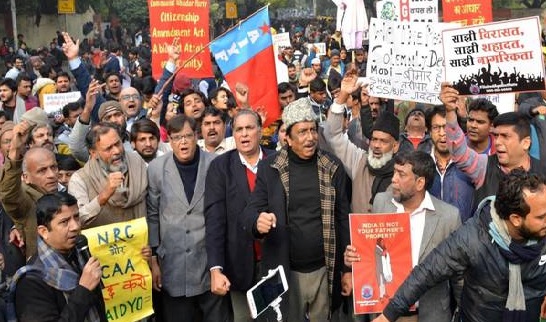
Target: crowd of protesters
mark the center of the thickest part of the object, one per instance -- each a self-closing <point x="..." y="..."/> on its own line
<point x="226" y="199"/>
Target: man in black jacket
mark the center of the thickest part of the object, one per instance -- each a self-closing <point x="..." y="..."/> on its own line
<point x="53" y="287"/>
<point x="501" y="252"/>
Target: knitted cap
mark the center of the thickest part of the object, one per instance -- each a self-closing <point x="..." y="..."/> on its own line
<point x="298" y="111"/>
<point x="35" y="116"/>
<point x="388" y="123"/>
<point x="108" y="107"/>
<point x="6" y="127"/>
<point x="315" y="61"/>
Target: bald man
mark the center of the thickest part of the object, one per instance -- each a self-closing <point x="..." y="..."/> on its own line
<point x="24" y="178"/>
<point x="131" y="103"/>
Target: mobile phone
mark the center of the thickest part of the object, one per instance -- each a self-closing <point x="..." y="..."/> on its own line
<point x="266" y="291"/>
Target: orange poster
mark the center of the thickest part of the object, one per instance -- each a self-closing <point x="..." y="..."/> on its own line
<point x="467" y="12"/>
<point x="384" y="244"/>
<point x="187" y="20"/>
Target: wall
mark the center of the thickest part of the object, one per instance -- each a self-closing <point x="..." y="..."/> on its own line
<point x="49" y="24"/>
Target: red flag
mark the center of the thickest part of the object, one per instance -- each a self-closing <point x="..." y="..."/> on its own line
<point x="245" y="55"/>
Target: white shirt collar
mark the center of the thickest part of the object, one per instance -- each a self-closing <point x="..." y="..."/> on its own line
<point x="426" y="204"/>
<point x="253" y="168"/>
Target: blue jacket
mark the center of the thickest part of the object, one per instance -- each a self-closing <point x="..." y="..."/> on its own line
<point x="456" y="189"/>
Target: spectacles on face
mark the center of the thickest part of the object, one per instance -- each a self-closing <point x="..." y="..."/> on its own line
<point x="129" y="97"/>
<point x="180" y="137"/>
<point x="419" y="113"/>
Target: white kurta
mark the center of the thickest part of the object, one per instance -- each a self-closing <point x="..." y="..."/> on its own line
<point x="351" y="21"/>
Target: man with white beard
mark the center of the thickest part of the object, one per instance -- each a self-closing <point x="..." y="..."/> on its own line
<point x="370" y="171"/>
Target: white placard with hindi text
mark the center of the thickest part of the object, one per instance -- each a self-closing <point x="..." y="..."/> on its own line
<point x="499" y="57"/>
<point x="53" y="103"/>
<point x="405" y="60"/>
<point x="408" y="10"/>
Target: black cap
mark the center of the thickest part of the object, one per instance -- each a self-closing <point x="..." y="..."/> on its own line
<point x="388" y="123"/>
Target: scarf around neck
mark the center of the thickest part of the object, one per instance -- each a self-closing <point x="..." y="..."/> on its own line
<point x="516" y="254"/>
<point x="382" y="178"/>
<point x="136" y="181"/>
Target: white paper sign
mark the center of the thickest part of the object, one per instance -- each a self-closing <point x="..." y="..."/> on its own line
<point x="497" y="57"/>
<point x="321" y="48"/>
<point x="281" y="41"/>
<point x="408" y="10"/>
<point x="503" y="102"/>
<point x="405" y="60"/>
<point x="54" y="103"/>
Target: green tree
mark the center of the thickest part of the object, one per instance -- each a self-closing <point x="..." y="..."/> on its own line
<point x="533" y="4"/>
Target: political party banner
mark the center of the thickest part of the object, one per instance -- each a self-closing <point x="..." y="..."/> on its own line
<point x="405" y="60"/>
<point x="245" y="55"/>
<point x="187" y="21"/>
<point x="467" y="12"/>
<point x="54" y="103"/>
<point x="383" y="242"/>
<point x="504" y="102"/>
<point x="280" y="42"/>
<point x="498" y="57"/>
<point x="126" y="276"/>
<point x="407" y="10"/>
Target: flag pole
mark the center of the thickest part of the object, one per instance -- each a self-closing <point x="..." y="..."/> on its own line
<point x="180" y="67"/>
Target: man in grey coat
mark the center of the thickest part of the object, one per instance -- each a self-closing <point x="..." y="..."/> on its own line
<point x="431" y="221"/>
<point x="176" y="224"/>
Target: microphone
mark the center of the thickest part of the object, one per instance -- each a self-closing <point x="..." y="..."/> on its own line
<point x="84" y="254"/>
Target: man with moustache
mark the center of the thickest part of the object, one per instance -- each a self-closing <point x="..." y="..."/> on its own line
<point x="232" y="256"/>
<point x="145" y="140"/>
<point x="62" y="82"/>
<point x="501" y="252"/>
<point x="299" y="209"/>
<point x="176" y="230"/>
<point x="113" y="86"/>
<point x="109" y="112"/>
<point x="54" y="286"/>
<point x="479" y="124"/>
<point x="450" y="183"/>
<point x="371" y="171"/>
<point x="512" y="133"/>
<point x="213" y="129"/>
<point x="111" y="186"/>
<point x="24" y="178"/>
<point x="131" y="104"/>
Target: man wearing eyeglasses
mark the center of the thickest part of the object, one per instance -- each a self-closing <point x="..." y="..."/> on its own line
<point x="131" y="103"/>
<point x="176" y="226"/>
<point x="447" y="175"/>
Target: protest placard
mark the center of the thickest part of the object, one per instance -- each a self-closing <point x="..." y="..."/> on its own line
<point x="280" y="42"/>
<point x="407" y="10"/>
<point x="383" y="242"/>
<point x="504" y="102"/>
<point x="498" y="57"/>
<point x="53" y="103"/>
<point x="405" y="60"/>
<point x="320" y="47"/>
<point x="467" y="12"/>
<point x="187" y="21"/>
<point x="126" y="276"/>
